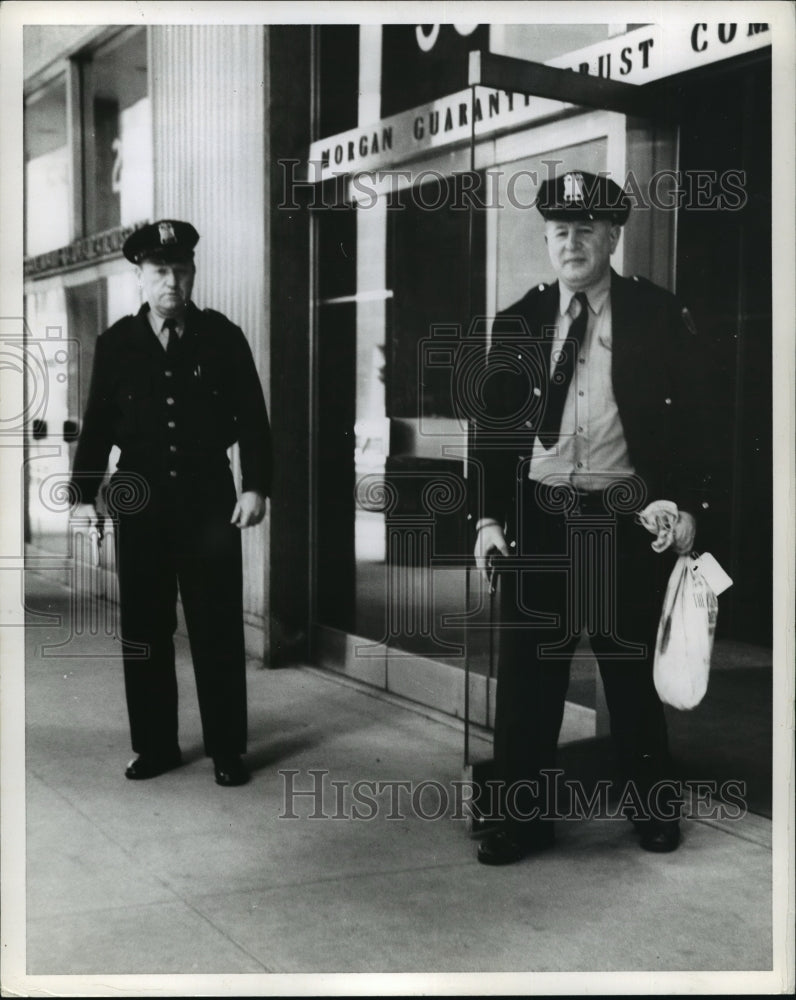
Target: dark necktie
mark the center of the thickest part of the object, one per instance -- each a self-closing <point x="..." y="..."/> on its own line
<point x="561" y="376"/>
<point x="173" y="345"/>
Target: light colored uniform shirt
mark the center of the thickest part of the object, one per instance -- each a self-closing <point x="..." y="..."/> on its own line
<point x="591" y="451"/>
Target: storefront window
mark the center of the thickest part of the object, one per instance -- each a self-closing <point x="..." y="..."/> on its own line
<point x="118" y="159"/>
<point x="89" y="165"/>
<point x="47" y="154"/>
<point x="391" y="522"/>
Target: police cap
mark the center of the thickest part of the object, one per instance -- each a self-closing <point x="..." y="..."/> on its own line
<point x="165" y="241"/>
<point x="581" y="195"/>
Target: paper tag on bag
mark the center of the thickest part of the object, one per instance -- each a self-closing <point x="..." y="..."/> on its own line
<point x="712" y="573"/>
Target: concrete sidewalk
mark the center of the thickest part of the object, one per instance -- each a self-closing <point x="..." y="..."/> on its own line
<point x="178" y="875"/>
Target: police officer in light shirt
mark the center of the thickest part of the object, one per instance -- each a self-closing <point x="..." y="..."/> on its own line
<point x="589" y="417"/>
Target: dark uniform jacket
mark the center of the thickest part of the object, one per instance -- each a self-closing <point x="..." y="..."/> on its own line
<point x="175" y="426"/>
<point x="654" y="383"/>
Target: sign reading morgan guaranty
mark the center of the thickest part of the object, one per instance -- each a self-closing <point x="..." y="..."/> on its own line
<point x="640" y="56"/>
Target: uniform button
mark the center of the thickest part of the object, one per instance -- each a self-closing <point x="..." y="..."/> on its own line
<point x="167" y="374"/>
<point x="172" y="425"/>
<point x="172" y="447"/>
<point x="581" y="392"/>
<point x="173" y="473"/>
<point x="580" y="430"/>
<point x="170" y="400"/>
<point x="580" y="465"/>
<point x="668" y="401"/>
<point x="581" y="361"/>
<point x="705" y="505"/>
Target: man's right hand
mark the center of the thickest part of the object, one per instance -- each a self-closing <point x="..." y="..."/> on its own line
<point x="490" y="539"/>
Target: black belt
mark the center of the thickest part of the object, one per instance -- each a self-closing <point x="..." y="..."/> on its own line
<point x="564" y="498"/>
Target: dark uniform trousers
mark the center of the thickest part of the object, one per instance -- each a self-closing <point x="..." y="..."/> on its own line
<point x="171" y="498"/>
<point x="183" y="540"/>
<point x="582" y="562"/>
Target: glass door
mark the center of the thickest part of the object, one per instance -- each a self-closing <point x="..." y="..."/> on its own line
<point x="393" y="280"/>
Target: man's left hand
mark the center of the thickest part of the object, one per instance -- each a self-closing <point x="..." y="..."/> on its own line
<point x="249" y="510"/>
<point x="684" y="533"/>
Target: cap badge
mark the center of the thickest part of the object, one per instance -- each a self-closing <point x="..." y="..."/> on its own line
<point x="573" y="187"/>
<point x="166" y="233"/>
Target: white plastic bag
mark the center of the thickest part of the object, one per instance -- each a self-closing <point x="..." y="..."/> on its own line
<point x="685" y="633"/>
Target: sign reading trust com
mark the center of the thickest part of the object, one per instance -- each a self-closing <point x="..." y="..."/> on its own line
<point x="637" y="57"/>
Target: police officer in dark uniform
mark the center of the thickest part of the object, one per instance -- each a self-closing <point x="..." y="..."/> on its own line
<point x="590" y="416"/>
<point x="174" y="387"/>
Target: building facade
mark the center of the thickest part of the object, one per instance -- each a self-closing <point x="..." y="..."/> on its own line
<point x="360" y="200"/>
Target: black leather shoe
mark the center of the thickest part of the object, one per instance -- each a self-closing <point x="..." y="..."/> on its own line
<point x="503" y="848"/>
<point x="151" y="765"/>
<point x="660" y="837"/>
<point x="230" y="771"/>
